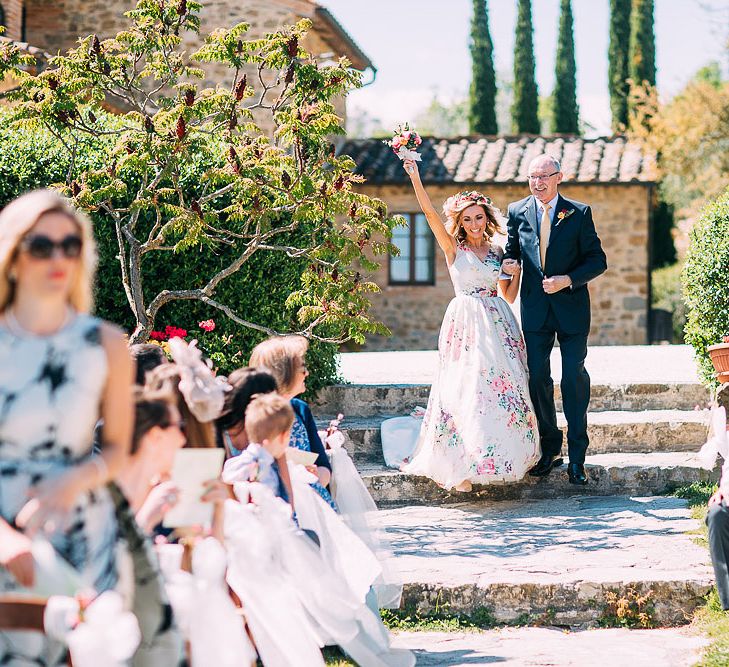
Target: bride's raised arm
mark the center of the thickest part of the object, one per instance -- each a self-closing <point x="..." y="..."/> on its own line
<point x="445" y="240"/>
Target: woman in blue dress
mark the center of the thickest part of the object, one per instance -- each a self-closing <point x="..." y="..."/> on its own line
<point x="285" y="358"/>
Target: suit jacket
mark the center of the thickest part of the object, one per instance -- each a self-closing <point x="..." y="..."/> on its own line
<point x="574" y="250"/>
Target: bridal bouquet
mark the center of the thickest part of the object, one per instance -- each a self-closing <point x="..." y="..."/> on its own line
<point x="405" y="142"/>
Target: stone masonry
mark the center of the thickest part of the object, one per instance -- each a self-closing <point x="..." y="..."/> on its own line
<point x="619" y="297"/>
<point x="55" y="25"/>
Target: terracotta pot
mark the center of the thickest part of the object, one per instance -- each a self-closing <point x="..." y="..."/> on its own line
<point x="720" y="358"/>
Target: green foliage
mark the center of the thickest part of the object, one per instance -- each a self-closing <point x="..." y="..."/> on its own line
<point x="667" y="294"/>
<point x="409" y="619"/>
<point x="524" y="110"/>
<point x="482" y="96"/>
<point x="618" y="70"/>
<point x="642" y="58"/>
<point x="705" y="281"/>
<point x="713" y="622"/>
<point x="566" y="119"/>
<point x="440" y="119"/>
<point x="189" y="192"/>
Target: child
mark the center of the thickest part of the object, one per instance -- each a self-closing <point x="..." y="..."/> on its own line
<point x="268" y="421"/>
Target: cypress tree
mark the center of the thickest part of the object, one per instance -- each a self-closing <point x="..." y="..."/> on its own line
<point x="566" y="114"/>
<point x="524" y="110"/>
<point x="618" y="62"/>
<point x="482" y="96"/>
<point x="642" y="67"/>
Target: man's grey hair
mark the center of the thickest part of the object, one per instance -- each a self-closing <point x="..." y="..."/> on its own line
<point x="546" y="157"/>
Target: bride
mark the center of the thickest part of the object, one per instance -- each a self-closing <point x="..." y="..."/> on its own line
<point x="479" y="426"/>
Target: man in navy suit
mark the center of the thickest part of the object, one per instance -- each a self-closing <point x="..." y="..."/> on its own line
<point x="555" y="241"/>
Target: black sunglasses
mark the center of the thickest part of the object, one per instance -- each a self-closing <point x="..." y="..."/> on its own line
<point x="42" y="247"/>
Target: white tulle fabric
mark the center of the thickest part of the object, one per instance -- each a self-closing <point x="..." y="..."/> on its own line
<point x="479" y="425"/>
<point x="717" y="444"/>
<point x="204" y="393"/>
<point x="106" y="636"/>
<point x="358" y="510"/>
<point x="204" y="611"/>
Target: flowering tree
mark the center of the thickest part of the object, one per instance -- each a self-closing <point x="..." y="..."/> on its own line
<point x="188" y="170"/>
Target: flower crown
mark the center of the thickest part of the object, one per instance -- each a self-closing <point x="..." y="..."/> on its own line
<point x="455" y="203"/>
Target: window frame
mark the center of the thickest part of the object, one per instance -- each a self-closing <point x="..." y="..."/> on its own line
<point x="412" y="237"/>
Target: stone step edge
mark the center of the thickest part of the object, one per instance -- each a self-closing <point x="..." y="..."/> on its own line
<point x="574" y="604"/>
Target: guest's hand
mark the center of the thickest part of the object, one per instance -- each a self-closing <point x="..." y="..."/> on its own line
<point x="556" y="284"/>
<point x="510" y="267"/>
<point x="16" y="557"/>
<point x="217" y="491"/>
<point x="50" y="503"/>
<point x="160" y="500"/>
<point x="716" y="499"/>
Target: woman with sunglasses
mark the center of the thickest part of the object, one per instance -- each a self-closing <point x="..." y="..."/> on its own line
<point x="61" y="370"/>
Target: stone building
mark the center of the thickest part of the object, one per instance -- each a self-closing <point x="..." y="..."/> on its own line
<point x="611" y="175"/>
<point x="50" y="26"/>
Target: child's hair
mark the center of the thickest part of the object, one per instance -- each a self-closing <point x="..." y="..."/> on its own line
<point x="245" y="383"/>
<point x="150" y="409"/>
<point x="282" y="356"/>
<point x="268" y="416"/>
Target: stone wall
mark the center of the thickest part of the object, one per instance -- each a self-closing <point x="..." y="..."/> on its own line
<point x="619" y="297"/>
<point x="13" y="19"/>
<point x="55" y="25"/>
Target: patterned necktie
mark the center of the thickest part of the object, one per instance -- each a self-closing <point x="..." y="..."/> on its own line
<point x="544" y="230"/>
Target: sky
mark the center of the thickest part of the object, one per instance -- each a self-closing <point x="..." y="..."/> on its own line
<point x="421" y="49"/>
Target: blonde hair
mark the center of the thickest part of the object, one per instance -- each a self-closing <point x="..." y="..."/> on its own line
<point x="19" y="217"/>
<point x="281" y="356"/>
<point x="454" y="207"/>
<point x="267" y="417"/>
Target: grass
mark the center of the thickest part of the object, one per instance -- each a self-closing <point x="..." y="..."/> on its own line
<point x="335" y="658"/>
<point x="439" y="621"/>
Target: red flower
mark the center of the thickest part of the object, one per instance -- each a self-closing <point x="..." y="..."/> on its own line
<point x="157" y="335"/>
<point x="175" y="332"/>
<point x="207" y="325"/>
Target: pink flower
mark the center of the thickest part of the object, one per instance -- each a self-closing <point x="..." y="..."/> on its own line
<point x="207" y="325"/>
<point x="406" y="135"/>
<point x="418" y="140"/>
<point x="157" y="335"/>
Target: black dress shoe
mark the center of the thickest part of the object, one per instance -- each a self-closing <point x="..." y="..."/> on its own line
<point x="545" y="465"/>
<point x="576" y="472"/>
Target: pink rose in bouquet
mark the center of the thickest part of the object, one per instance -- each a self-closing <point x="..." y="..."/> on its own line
<point x="405" y="142"/>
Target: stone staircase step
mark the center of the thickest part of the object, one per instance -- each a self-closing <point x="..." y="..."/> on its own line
<point x="550" y="562"/>
<point x="367" y="400"/>
<point x="609" y="432"/>
<point x="609" y="475"/>
<point x="549" y="646"/>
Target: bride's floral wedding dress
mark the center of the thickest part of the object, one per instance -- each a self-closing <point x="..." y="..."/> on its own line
<point x="479" y="425"/>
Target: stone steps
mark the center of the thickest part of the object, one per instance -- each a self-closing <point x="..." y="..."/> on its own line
<point x="367" y="400"/>
<point x="550" y="562"/>
<point x="609" y="475"/>
<point x="609" y="432"/>
<point x="549" y="646"/>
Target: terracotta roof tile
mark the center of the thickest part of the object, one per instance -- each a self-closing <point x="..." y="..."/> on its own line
<point x="506" y="159"/>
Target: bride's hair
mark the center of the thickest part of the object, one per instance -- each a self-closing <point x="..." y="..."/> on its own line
<point x="454" y="207"/>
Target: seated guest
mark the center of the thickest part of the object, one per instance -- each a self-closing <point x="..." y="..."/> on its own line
<point x="246" y="383"/>
<point x="268" y="422"/>
<point x="285" y="358"/>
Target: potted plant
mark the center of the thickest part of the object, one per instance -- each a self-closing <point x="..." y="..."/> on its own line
<point x="719" y="354"/>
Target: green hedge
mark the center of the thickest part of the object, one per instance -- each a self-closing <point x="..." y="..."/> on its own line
<point x="667" y="295"/>
<point x="705" y="281"/>
<point x="257" y="292"/>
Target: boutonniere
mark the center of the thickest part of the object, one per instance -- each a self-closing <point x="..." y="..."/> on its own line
<point x="564" y="214"/>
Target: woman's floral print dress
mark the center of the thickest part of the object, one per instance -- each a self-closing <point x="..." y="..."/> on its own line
<point x="480" y="424"/>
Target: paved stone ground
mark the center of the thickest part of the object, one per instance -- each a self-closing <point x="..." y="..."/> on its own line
<point x="606" y="365"/>
<point x="541" y="647"/>
<point x="590" y="538"/>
